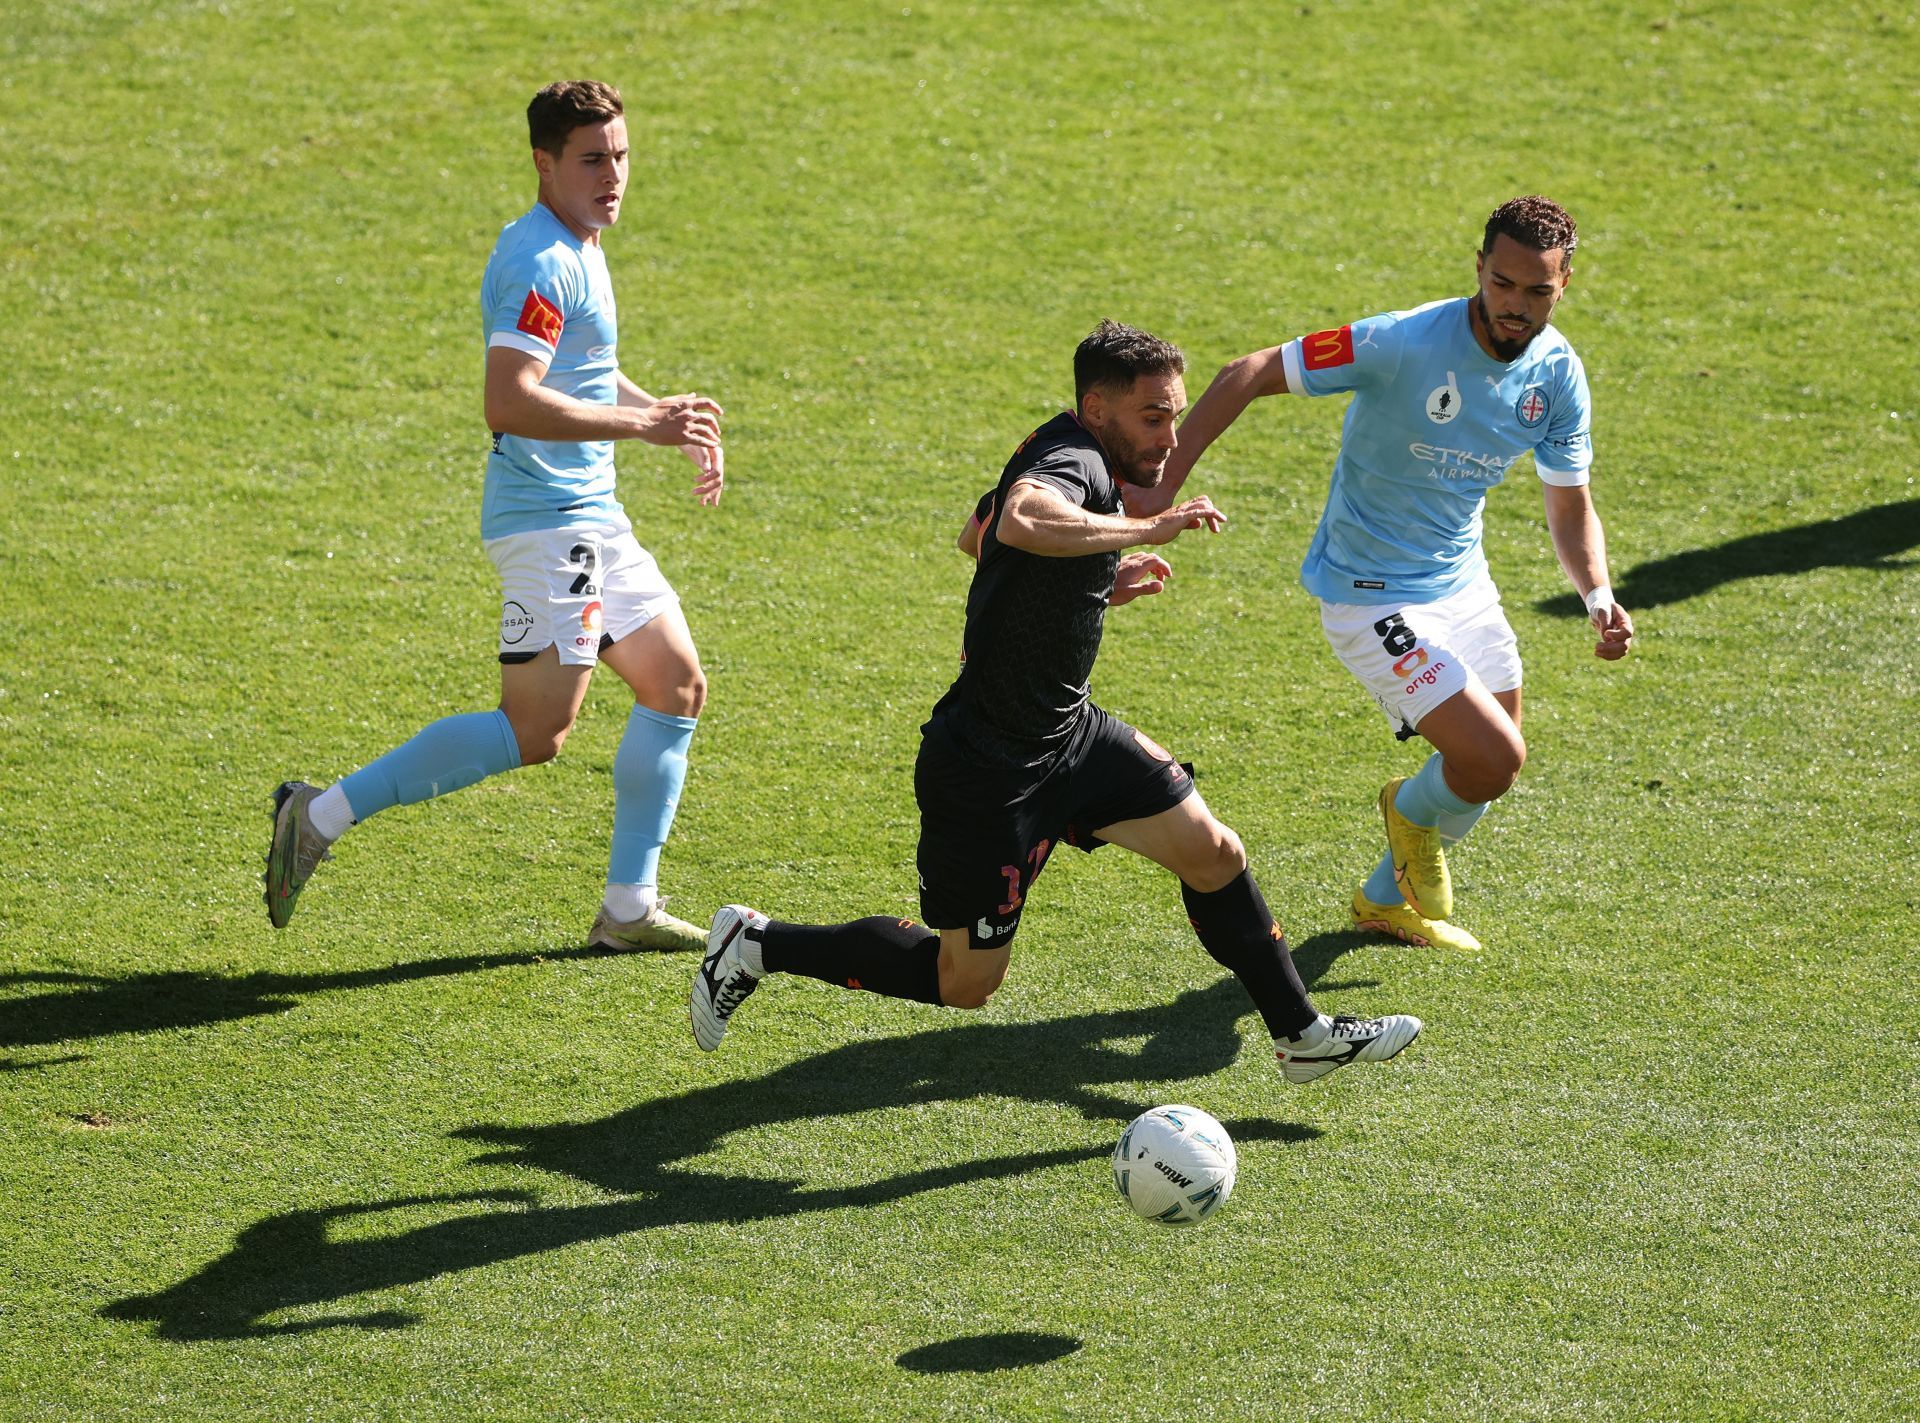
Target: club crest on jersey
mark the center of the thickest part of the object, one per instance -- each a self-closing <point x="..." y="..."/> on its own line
<point x="541" y="319"/>
<point x="1325" y="349"/>
<point x="1443" y="403"/>
<point x="1531" y="407"/>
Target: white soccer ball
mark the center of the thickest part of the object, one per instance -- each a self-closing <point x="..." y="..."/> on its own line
<point x="1175" y="1164"/>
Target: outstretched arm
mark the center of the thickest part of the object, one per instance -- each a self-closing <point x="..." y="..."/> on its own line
<point x="1236" y="387"/>
<point x="1040" y="519"/>
<point x="1139" y="575"/>
<point x="1581" y="545"/>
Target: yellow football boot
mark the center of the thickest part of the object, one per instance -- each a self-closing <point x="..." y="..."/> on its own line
<point x="1406" y="923"/>
<point x="1419" y="862"/>
<point x="656" y="929"/>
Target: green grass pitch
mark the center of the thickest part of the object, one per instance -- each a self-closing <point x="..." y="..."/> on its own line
<point x="421" y="1157"/>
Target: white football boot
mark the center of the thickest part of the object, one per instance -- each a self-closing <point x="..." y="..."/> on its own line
<point x="730" y="971"/>
<point x="1329" y="1043"/>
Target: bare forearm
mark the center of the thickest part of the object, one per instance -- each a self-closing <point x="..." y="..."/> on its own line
<point x="1067" y="531"/>
<point x="1579" y="543"/>
<point x="1039" y="520"/>
<point x="539" y="413"/>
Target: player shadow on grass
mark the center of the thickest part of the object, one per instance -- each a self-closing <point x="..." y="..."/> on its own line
<point x="83" y="1005"/>
<point x="1868" y="538"/>
<point x="296" y="1259"/>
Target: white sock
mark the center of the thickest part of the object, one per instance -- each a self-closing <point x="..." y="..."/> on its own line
<point x="330" y="814"/>
<point x="627" y="902"/>
<point x="1312" y="1035"/>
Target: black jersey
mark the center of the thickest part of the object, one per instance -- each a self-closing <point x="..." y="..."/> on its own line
<point x="1033" y="623"/>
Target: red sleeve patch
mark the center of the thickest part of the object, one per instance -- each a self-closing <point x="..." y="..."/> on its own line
<point x="541" y="319"/>
<point x="1324" y="349"/>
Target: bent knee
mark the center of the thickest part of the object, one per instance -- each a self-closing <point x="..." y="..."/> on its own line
<point x="968" y="991"/>
<point x="692" y="694"/>
<point x="1492" y="770"/>
<point x="540" y="741"/>
<point x="969" y="996"/>
<point x="1229" y="854"/>
<point x="1223" y="860"/>
<point x="1506" y="765"/>
<point x="685" y="695"/>
<point x="538" y="750"/>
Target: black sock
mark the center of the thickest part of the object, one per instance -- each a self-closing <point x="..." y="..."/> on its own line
<point x="1235" y="927"/>
<point x="895" y="957"/>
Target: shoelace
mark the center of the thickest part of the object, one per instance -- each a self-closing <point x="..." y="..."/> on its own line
<point x="733" y="993"/>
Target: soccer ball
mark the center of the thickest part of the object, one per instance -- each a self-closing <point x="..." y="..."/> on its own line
<point x="1174" y="1164"/>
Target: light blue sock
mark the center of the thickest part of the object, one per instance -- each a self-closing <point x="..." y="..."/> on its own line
<point x="648" y="771"/>
<point x="1424" y="797"/>
<point x="1454" y="828"/>
<point x="452" y="753"/>
<point x="1381" y="887"/>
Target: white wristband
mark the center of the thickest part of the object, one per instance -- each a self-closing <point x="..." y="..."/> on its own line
<point x="1601" y="597"/>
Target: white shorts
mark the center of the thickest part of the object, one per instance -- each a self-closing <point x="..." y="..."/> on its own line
<point x="568" y="588"/>
<point x="1413" y="656"/>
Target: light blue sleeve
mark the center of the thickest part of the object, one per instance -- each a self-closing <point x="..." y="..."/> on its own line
<point x="528" y="298"/>
<point x="1344" y="358"/>
<point x="1564" y="454"/>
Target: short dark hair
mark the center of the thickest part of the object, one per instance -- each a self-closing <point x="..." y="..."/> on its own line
<point x="1536" y="222"/>
<point x="1116" y="355"/>
<point x="559" y="109"/>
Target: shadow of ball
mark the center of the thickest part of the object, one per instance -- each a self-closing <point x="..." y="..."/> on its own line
<point x="984" y="1353"/>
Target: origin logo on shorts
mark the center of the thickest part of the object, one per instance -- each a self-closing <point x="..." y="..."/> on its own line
<point x="590" y="619"/>
<point x="515" y="623"/>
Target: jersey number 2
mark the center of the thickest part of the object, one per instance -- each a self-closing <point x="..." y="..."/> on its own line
<point x="587" y="559"/>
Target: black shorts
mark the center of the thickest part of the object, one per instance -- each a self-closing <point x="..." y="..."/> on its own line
<point x="986" y="831"/>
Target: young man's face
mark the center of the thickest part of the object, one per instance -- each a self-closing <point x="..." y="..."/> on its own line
<point x="585" y="183"/>
<point x="1519" y="288"/>
<point x="1136" y="426"/>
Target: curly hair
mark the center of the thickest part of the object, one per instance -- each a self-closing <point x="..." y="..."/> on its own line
<point x="559" y="109"/>
<point x="1117" y="355"/>
<point x="1536" y="222"/>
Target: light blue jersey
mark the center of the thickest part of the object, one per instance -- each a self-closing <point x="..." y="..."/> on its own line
<point x="1435" y="423"/>
<point x="547" y="293"/>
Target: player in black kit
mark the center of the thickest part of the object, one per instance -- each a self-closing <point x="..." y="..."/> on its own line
<point x="1016" y="759"/>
